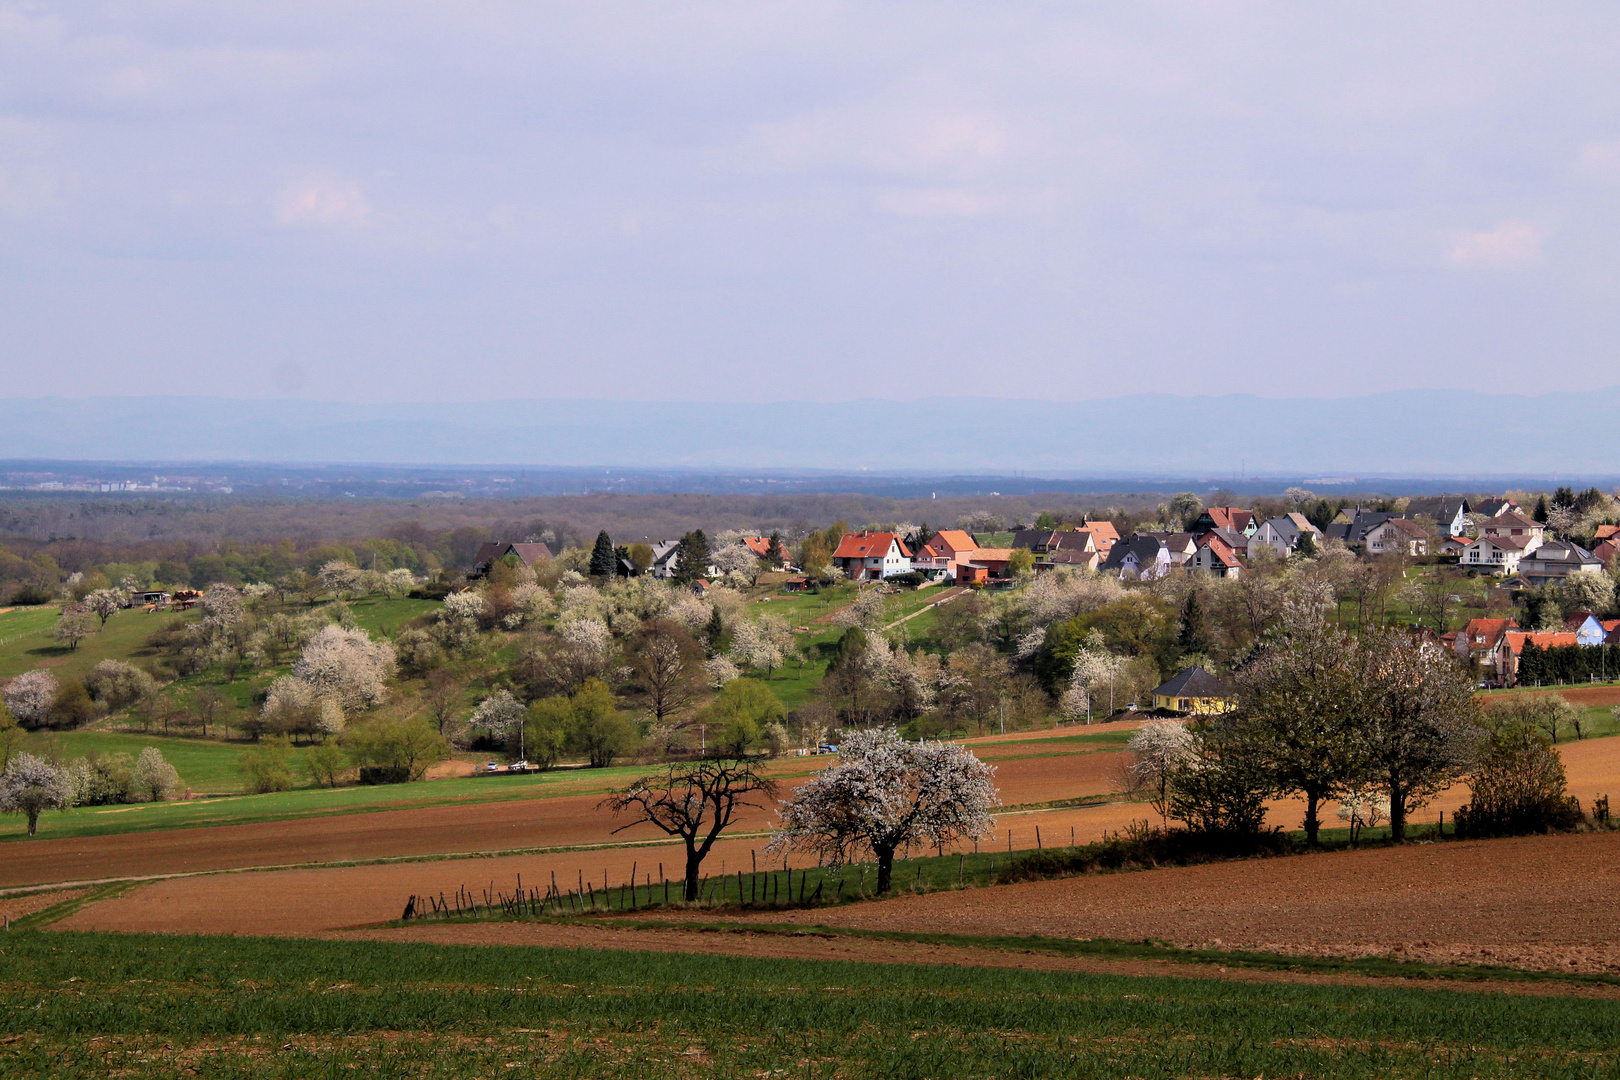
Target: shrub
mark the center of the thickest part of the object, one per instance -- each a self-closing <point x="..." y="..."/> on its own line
<point x="102" y="780"/>
<point x="115" y="684"/>
<point x="71" y="706"/>
<point x="384" y="774"/>
<point x="1518" y="788"/>
<point x="1142" y="848"/>
<point x="31" y="594"/>
<point x="268" y="766"/>
<point x="411" y="746"/>
<point x="325" y="763"/>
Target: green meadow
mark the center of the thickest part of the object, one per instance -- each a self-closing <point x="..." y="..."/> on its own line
<point x="83" y="1005"/>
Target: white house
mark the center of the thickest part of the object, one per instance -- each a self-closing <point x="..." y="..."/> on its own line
<point x="872" y="556"/>
<point x="1281" y="534"/>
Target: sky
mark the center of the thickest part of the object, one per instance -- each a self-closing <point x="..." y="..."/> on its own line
<point x="472" y="201"/>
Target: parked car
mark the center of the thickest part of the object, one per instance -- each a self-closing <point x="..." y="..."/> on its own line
<point x="493" y="766"/>
<point x="826" y="748"/>
<point x="518" y="766"/>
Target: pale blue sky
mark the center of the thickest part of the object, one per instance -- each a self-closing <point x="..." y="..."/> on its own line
<point x="442" y="201"/>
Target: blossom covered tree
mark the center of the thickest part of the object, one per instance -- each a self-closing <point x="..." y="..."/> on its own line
<point x="73" y="627"/>
<point x="31" y="785"/>
<point x="29" y="697"/>
<point x="502" y="716"/>
<point x="1158" y="749"/>
<point x="104" y="603"/>
<point x="347" y="667"/>
<point x="886" y="796"/>
<point x="695" y="801"/>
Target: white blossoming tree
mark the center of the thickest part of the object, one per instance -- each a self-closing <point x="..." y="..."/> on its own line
<point x="347" y="667"/>
<point x="104" y="604"/>
<point x="1158" y="749"/>
<point x="341" y="578"/>
<point x="32" y="785"/>
<point x="502" y="715"/>
<point x="886" y="796"/>
<point x="153" y="778"/>
<point x="29" y="697"/>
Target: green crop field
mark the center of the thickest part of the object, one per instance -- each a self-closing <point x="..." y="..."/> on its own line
<point x="314" y="802"/>
<point x="80" y="1005"/>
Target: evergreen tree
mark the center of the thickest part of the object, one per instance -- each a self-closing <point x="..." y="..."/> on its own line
<point x="1190" y="638"/>
<point x="621" y="560"/>
<point x="691" y="557"/>
<point x="775" y="552"/>
<point x="603" y="561"/>
<point x="1563" y="498"/>
<point x="714" y="630"/>
<point x="1306" y="545"/>
<point x="1540" y="513"/>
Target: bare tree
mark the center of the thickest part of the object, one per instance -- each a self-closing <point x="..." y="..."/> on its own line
<point x="666" y="661"/>
<point x="695" y="801"/>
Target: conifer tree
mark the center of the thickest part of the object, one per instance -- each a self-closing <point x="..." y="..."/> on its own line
<point x="691" y="557"/>
<point x="603" y="562"/>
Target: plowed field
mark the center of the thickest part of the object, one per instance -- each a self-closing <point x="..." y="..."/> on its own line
<point x="1073" y="770"/>
<point x="1542" y="902"/>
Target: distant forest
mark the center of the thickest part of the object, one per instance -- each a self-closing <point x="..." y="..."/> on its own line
<point x="200" y="539"/>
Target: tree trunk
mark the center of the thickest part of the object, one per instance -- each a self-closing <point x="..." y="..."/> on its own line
<point x="1313" y="822"/>
<point x="1397" y="812"/>
<point x="885" y="869"/>
<point x="33" y="821"/>
<point x="689" y="889"/>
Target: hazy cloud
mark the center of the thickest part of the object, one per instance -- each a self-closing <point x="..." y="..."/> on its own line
<point x="803" y="198"/>
<point x="1510" y="244"/>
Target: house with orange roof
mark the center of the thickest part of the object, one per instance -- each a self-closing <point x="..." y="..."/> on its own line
<point x="1103" y="534"/>
<point x="1512" y="650"/>
<point x="943" y="552"/>
<point x="868" y="556"/>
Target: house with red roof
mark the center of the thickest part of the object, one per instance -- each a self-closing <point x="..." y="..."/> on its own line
<point x="1216" y="556"/>
<point x="1481" y="641"/>
<point x="872" y="556"/>
<point x="1226" y="517"/>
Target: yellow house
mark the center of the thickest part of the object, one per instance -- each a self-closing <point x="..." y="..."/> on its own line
<point x="1196" y="692"/>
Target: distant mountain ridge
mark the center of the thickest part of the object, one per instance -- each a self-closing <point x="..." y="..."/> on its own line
<point x="1405" y="433"/>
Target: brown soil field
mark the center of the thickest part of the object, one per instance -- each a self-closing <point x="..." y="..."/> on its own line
<point x="1591" y="695"/>
<point x="556" y="821"/>
<point x="15" y="907"/>
<point x="1535" y="902"/>
<point x="304" y="901"/>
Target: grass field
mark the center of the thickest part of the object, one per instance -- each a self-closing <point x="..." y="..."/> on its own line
<point x="76" y="1005"/>
<point x="206" y="766"/>
<point x="26" y="641"/>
